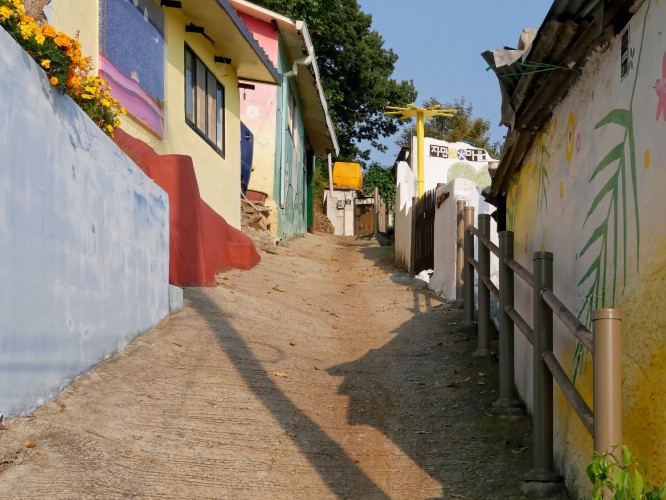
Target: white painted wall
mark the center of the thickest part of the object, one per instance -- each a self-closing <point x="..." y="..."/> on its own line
<point x="405" y="190"/>
<point x="85" y="255"/>
<point x="443" y="280"/>
<point x="445" y="161"/>
<point x="342" y="219"/>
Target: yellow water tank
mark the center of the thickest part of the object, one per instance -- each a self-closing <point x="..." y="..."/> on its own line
<point x="347" y="175"/>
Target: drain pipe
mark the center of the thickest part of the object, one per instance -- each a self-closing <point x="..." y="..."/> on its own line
<point x="303" y="61"/>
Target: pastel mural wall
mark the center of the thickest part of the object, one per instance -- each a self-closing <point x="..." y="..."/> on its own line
<point x="258" y="110"/>
<point x="218" y="175"/>
<point x="590" y="191"/>
<point x="132" y="57"/>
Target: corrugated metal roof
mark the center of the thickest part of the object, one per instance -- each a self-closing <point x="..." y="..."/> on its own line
<point x="534" y="82"/>
<point x="232" y="39"/>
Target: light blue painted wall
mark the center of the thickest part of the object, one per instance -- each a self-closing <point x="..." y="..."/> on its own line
<point x="84" y="258"/>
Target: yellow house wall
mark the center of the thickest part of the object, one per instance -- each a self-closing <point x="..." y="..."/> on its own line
<point x="218" y="178"/>
<point x="551" y="206"/>
<point x="71" y="17"/>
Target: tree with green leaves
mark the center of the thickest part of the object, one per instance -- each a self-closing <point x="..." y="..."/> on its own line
<point x="382" y="178"/>
<point x="356" y="71"/>
<point x="462" y="126"/>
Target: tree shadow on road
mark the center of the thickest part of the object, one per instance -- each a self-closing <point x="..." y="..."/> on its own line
<point x="344" y="478"/>
<point x="426" y="392"/>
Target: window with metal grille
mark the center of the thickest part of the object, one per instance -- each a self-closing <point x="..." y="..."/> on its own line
<point x="204" y="101"/>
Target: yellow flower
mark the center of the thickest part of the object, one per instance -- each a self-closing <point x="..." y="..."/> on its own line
<point x="27" y="30"/>
<point x="39" y="38"/>
<point x="48" y="30"/>
<point x="86" y="96"/>
<point x="5" y="13"/>
<point x="109" y="128"/>
<point x="106" y="103"/>
<point x="46" y="63"/>
<point x="54" y="80"/>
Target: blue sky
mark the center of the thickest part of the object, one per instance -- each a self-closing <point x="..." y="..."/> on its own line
<point x="439" y="44"/>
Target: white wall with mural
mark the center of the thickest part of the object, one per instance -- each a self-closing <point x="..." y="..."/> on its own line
<point x="405" y="190"/>
<point x="443" y="280"/>
<point x="85" y="256"/>
<point x="591" y="191"/>
<point x="445" y="161"/>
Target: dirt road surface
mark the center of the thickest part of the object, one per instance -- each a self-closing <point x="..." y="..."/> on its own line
<point x="322" y="373"/>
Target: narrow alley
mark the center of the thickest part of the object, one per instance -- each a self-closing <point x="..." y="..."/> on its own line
<point x="321" y="373"/>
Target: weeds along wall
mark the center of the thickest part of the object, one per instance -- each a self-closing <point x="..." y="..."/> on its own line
<point x="85" y="256"/>
<point x="591" y="191"/>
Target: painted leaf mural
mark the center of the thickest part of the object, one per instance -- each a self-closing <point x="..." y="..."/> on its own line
<point x="618" y="167"/>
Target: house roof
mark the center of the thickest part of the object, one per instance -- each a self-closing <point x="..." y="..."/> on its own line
<point x="232" y="38"/>
<point x="533" y="80"/>
<point x="298" y="45"/>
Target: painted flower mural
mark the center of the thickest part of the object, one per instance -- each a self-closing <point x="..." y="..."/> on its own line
<point x="660" y="88"/>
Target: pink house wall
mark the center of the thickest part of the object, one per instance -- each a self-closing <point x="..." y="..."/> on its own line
<point x="258" y="108"/>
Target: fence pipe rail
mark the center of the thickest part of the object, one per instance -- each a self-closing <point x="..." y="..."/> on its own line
<point x="487" y="242"/>
<point x="488" y="283"/>
<point x="526" y="276"/>
<point x="569" y="320"/>
<point x="577" y="402"/>
<point x="604" y="342"/>
<point x="522" y="325"/>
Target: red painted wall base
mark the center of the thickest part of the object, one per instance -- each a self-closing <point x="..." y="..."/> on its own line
<point x="201" y="242"/>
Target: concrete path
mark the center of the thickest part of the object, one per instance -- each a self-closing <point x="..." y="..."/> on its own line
<point x="322" y="373"/>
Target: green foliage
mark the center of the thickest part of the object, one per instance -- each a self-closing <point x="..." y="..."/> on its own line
<point x="320" y="181"/>
<point x="355" y="68"/>
<point x="462" y="126"/>
<point x="624" y="479"/>
<point x="382" y="178"/>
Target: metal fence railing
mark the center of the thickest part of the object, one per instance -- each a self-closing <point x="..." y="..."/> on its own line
<point x="604" y="424"/>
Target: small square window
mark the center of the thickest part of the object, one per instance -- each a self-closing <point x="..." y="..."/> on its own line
<point x="624" y="54"/>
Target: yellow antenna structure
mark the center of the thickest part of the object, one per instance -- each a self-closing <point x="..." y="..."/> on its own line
<point x="421" y="114"/>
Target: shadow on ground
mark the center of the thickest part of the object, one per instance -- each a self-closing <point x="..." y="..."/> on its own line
<point x="344" y="478"/>
<point x="426" y="392"/>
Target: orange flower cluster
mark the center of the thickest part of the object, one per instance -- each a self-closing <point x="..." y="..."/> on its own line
<point x="60" y="56"/>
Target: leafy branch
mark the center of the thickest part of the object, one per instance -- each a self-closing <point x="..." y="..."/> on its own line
<point x="623" y="477"/>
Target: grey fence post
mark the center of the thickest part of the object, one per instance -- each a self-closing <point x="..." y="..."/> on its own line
<point x="508" y="398"/>
<point x="607" y="380"/>
<point x="543" y="470"/>
<point x="483" y="348"/>
<point x="468" y="268"/>
<point x="460" y="254"/>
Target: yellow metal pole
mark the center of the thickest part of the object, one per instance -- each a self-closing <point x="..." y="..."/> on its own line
<point x="420" y="160"/>
<point x="411" y="111"/>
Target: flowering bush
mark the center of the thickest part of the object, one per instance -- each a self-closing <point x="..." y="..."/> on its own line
<point x="60" y="57"/>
